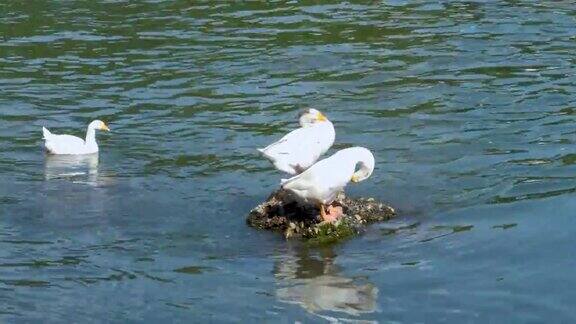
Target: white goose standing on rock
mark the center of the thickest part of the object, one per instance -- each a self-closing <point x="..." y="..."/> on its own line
<point x="72" y="145"/>
<point x="322" y="182"/>
<point x="301" y="148"/>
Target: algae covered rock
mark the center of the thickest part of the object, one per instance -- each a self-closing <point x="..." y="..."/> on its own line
<point x="281" y="213"/>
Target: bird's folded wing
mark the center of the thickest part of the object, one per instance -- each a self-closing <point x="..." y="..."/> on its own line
<point x="65" y="140"/>
<point x="292" y="142"/>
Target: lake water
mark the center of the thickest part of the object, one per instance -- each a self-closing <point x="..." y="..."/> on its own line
<point x="468" y="107"/>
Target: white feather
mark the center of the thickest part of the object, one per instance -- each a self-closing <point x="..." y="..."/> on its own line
<point x="322" y="182"/>
<point x="301" y="148"/>
<point x="72" y="145"/>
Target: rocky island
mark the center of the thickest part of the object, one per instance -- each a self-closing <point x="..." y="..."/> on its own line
<point x="283" y="214"/>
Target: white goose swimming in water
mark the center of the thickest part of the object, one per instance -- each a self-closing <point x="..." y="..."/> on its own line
<point x="301" y="148"/>
<point x="321" y="182"/>
<point x="72" y="145"/>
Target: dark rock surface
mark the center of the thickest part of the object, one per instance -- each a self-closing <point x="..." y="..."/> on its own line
<point x="282" y="214"/>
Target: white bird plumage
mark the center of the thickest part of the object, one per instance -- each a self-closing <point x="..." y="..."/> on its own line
<point x="302" y="147"/>
<point x="322" y="182"/>
<point x="72" y="145"/>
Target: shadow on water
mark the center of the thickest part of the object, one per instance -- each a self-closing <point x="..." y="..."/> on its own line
<point x="312" y="280"/>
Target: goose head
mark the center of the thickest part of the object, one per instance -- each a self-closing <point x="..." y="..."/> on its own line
<point x="311" y="116"/>
<point x="364" y="162"/>
<point x="98" y="125"/>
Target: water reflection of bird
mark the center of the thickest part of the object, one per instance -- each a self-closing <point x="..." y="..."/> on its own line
<point x="317" y="286"/>
<point x="72" y="145"/>
<point x="73" y="167"/>
<point x="301" y="148"/>
<point x="324" y="180"/>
